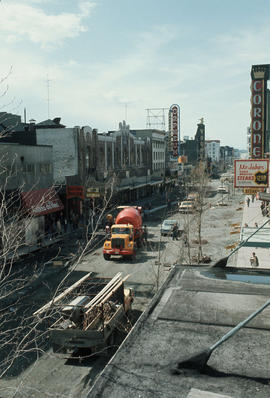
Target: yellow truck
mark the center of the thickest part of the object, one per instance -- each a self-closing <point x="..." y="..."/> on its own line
<point x="125" y="235"/>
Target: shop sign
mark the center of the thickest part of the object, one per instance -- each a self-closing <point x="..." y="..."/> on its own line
<point x="252" y="191"/>
<point x="251" y="173"/>
<point x="75" y="191"/>
<point x="92" y="192"/>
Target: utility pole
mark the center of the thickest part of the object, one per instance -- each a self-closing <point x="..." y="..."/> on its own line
<point x="48" y="95"/>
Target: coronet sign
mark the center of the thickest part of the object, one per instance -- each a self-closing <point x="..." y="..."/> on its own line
<point x="251" y="173"/>
<point x="259" y="76"/>
<point x="257" y="119"/>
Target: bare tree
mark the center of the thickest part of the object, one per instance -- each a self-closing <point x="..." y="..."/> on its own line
<point x="200" y="182"/>
<point x="24" y="337"/>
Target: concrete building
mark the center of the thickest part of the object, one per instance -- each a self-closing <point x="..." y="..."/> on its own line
<point x="189" y="148"/>
<point x="25" y="167"/>
<point x="64" y="142"/>
<point x="158" y="149"/>
<point x="194" y="149"/>
<point x="212" y="150"/>
<point x="226" y="157"/>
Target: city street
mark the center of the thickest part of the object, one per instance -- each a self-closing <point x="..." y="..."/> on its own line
<point x="68" y="376"/>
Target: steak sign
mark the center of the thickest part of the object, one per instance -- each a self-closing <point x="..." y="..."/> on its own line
<point x="251" y="173"/>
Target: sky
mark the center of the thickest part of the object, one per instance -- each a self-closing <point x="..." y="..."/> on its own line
<point x="100" y="62"/>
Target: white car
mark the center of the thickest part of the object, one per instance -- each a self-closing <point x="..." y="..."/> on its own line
<point x="167" y="226"/>
<point x="222" y="190"/>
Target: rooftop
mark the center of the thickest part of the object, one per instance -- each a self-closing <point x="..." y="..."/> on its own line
<point x="193" y="310"/>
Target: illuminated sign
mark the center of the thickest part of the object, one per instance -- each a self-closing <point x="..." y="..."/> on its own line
<point x="257" y="119"/>
<point x="175" y="128"/>
<point x="251" y="173"/>
<point x="259" y="75"/>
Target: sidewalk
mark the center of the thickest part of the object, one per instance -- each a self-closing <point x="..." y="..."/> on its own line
<point x="259" y="243"/>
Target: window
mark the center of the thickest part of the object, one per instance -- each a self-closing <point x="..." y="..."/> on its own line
<point x="29" y="168"/>
<point x="45" y="168"/>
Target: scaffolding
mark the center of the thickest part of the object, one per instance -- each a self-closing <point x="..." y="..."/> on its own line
<point x="156" y="118"/>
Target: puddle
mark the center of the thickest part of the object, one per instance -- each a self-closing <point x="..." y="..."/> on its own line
<point x="248" y="277"/>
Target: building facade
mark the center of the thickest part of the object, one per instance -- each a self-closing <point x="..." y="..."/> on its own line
<point x="212" y="150"/>
<point x="25" y="167"/>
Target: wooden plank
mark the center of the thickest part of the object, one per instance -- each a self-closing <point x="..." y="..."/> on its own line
<point x="104" y="291"/>
<point x="56" y="299"/>
<point x="115" y="280"/>
<point x="105" y="294"/>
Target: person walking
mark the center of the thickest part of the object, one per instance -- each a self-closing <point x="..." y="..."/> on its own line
<point x="248" y="201"/>
<point x="175" y="232"/>
<point x="145" y="234"/>
<point x="185" y="239"/>
<point x="254" y="262"/>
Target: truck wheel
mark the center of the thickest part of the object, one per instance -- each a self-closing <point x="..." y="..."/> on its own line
<point x="107" y="257"/>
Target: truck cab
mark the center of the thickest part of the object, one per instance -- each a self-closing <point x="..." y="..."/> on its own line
<point x="121" y="242"/>
<point x="126" y="233"/>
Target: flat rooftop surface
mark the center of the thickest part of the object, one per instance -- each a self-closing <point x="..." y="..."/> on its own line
<point x="193" y="310"/>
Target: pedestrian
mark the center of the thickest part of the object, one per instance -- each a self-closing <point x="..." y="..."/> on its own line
<point x="185" y="239"/>
<point x="175" y="232"/>
<point x="108" y="231"/>
<point x="248" y="201"/>
<point x="145" y="234"/>
<point x="254" y="262"/>
<point x="256" y="225"/>
<point x="252" y="198"/>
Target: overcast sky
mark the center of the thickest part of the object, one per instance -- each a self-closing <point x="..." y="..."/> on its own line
<point x="106" y="60"/>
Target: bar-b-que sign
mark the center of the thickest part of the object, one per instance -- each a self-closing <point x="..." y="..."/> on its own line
<point x="251" y="173"/>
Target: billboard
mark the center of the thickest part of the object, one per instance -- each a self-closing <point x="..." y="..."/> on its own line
<point x="175" y="128"/>
<point x="251" y="173"/>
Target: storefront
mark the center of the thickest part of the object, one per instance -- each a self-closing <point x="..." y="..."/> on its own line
<point x="43" y="214"/>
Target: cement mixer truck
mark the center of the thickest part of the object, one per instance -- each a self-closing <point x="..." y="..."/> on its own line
<point x="126" y="233"/>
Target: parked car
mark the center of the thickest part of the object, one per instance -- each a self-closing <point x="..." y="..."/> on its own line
<point x="187" y="206"/>
<point x="222" y="190"/>
<point x="167" y="226"/>
<point x="192" y="196"/>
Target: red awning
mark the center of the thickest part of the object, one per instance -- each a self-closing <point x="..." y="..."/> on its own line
<point x="43" y="201"/>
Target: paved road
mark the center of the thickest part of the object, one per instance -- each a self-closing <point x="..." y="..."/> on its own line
<point x="62" y="377"/>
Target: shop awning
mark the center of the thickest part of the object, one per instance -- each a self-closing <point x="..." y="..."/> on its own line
<point x="42" y="201"/>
